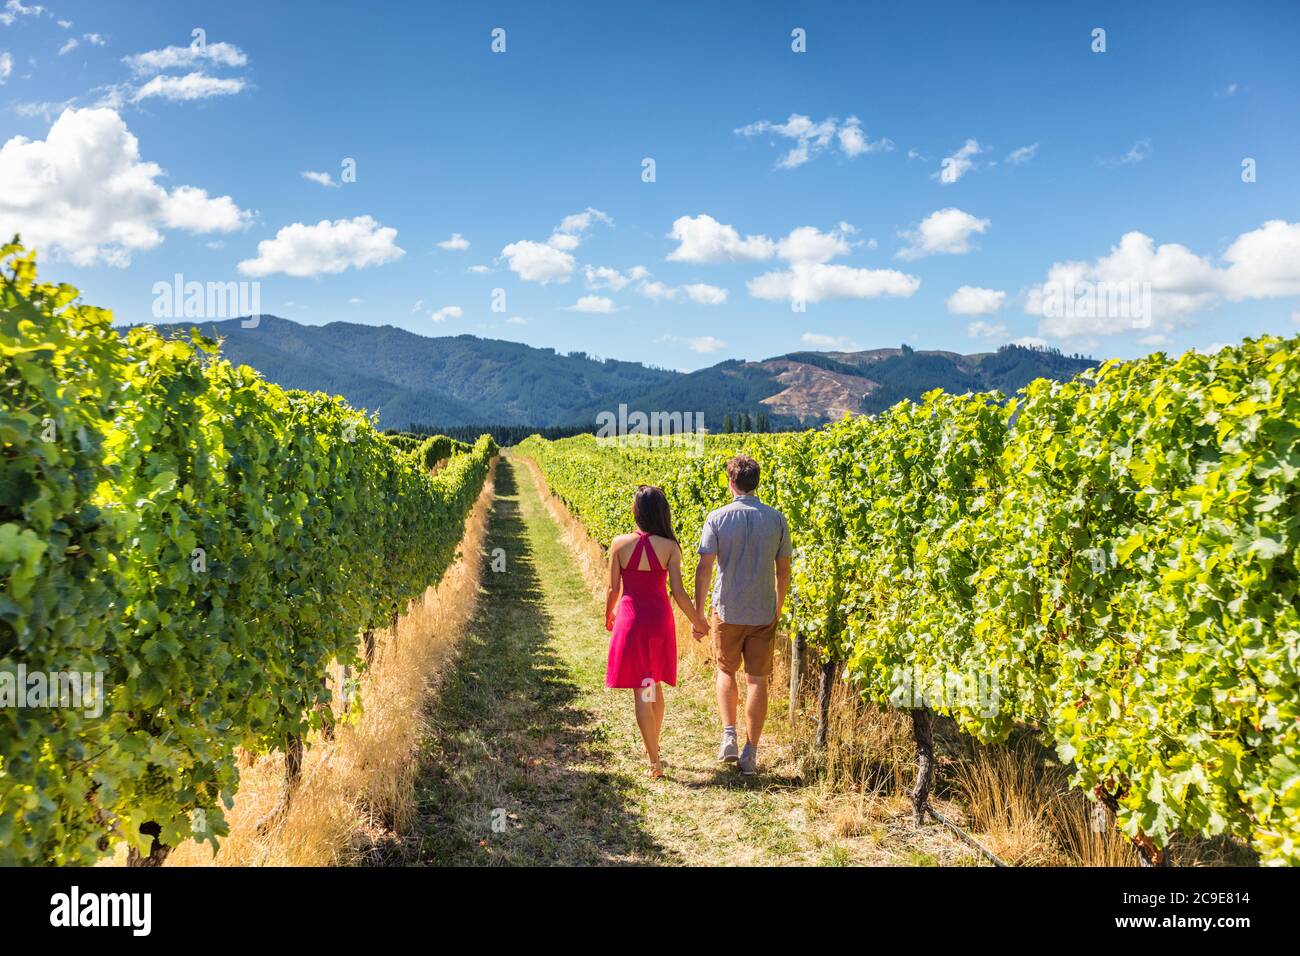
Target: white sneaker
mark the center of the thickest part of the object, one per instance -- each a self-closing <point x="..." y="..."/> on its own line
<point x="749" y="760"/>
<point x="727" y="753"/>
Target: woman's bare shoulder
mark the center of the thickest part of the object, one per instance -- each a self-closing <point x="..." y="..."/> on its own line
<point x="665" y="546"/>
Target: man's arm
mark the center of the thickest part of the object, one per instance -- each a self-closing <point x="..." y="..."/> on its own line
<point x="703" y="581"/>
<point x="782" y="582"/>
<point x="783" y="552"/>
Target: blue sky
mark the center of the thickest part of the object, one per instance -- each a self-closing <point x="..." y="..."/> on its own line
<point x="1066" y="166"/>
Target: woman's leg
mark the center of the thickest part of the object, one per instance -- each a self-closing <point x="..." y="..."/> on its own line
<point x="659" y="711"/>
<point x="646" y="719"/>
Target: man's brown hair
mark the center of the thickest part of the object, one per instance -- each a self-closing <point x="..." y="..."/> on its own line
<point x="743" y="472"/>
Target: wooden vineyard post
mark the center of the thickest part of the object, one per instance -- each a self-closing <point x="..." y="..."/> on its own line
<point x="157" y="851"/>
<point x="923" y="734"/>
<point x="798" y="649"/>
<point x="368" y="639"/>
<point x="293" y="762"/>
<point x="830" y="670"/>
<point x="1148" y="853"/>
<point x="327" y="729"/>
<point x="292" y="773"/>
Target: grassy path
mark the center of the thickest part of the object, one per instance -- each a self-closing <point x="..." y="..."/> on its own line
<point x="533" y="761"/>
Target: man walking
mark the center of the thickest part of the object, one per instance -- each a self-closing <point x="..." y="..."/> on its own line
<point x="750" y="542"/>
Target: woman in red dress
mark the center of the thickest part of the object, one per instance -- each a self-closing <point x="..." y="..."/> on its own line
<point x="643" y="650"/>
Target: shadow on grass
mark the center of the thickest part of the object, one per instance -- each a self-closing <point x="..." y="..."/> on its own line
<point x="511" y="774"/>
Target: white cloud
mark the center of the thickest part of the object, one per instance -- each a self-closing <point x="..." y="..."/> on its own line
<point x="456" y="243"/>
<point x="979" y="329"/>
<point x="538" y="262"/>
<point x="705" y="344"/>
<point x="1136" y="154"/>
<point x="191" y="86"/>
<point x="180" y="57"/>
<point x="1140" y="285"/>
<point x="972" y="300"/>
<point x="580" y="222"/>
<point x="551" y="261"/>
<point x="604" y="277"/>
<point x="703" y="239"/>
<point x="66" y="24"/>
<point x="854" y="143"/>
<point x="819" y="341"/>
<point x="68" y="46"/>
<point x="94" y="39"/>
<point x="15" y="8"/>
<point x="809" y="244"/>
<point x="705" y="294"/>
<point x="945" y="231"/>
<point x="354" y="301"/>
<point x="325" y="248"/>
<point x="325" y="179"/>
<point x="419" y="304"/>
<point x="84" y="191"/>
<point x="47" y="110"/>
<point x="1022" y="155"/>
<point x="6" y="66"/>
<point x="516" y="320"/>
<point x="653" y="289"/>
<point x="1264" y="263"/>
<point x="816" y="281"/>
<point x="480" y="269"/>
<point x="597" y="304"/>
<point x="656" y="290"/>
<point x="447" y="312"/>
<point x="812" y="138"/>
<point x="954" y="167"/>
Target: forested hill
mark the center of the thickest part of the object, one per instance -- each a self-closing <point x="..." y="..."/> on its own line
<point x="466" y="380"/>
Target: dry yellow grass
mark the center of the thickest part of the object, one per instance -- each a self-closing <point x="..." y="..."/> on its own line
<point x="355" y="799"/>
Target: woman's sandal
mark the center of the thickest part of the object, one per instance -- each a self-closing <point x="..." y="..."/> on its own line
<point x="655" y="773"/>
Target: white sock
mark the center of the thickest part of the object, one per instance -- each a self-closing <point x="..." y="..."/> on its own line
<point x="729" y="730"/>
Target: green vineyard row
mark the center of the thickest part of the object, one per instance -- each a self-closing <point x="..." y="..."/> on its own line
<point x="429" y="450"/>
<point x="204" y="541"/>
<point x="1112" y="560"/>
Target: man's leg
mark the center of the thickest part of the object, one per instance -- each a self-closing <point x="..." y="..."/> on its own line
<point x="755" y="708"/>
<point x="727" y="695"/>
<point x="757" y="655"/>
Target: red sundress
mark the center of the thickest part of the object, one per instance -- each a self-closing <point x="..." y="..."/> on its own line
<point x="644" y="644"/>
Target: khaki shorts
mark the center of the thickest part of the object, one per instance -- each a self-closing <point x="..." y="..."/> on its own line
<point x="751" y="644"/>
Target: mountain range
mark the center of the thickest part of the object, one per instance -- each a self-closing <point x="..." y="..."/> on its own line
<point x="467" y="380"/>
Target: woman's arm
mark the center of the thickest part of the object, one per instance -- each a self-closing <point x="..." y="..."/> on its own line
<point x="698" y="623"/>
<point x="615" y="584"/>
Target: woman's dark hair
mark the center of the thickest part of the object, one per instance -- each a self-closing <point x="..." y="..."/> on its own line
<point x="651" y="513"/>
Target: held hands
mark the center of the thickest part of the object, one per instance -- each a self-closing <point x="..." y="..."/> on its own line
<point x="699" y="625"/>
